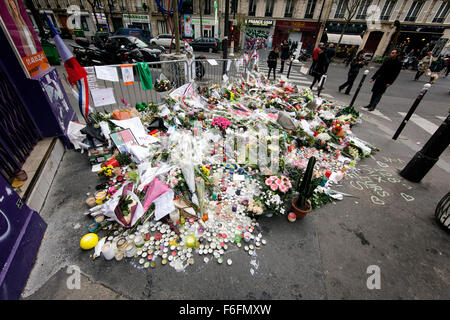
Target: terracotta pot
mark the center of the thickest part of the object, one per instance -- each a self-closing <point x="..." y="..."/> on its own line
<point x="298" y="212"/>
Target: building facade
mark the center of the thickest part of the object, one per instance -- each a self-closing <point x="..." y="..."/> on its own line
<point x="268" y="22"/>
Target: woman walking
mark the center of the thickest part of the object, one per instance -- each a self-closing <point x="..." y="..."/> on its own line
<point x="356" y="64"/>
<point x="272" y="61"/>
<point x="320" y="68"/>
<point x="424" y="65"/>
<point x="284" y="54"/>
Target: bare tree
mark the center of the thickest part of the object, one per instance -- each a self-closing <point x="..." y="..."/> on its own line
<point x="350" y="8"/>
<point x="94" y="4"/>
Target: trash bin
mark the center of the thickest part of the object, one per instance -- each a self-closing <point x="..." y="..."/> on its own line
<point x="442" y="214"/>
<point x="51" y="52"/>
<point x="79" y="33"/>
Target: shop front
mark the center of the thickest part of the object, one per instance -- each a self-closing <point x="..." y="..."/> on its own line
<point x="209" y="28"/>
<point x="140" y="21"/>
<point x="259" y="32"/>
<point x="295" y="31"/>
<point x="417" y="37"/>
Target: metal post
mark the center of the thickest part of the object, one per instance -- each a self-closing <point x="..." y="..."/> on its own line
<point x="411" y="110"/>
<point x="289" y="70"/>
<point x="425" y="159"/>
<point x="225" y="35"/>
<point x="366" y="72"/>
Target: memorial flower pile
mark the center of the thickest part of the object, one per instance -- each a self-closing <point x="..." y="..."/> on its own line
<point x="208" y="162"/>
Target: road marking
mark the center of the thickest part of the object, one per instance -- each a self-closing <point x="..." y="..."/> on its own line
<point x="426" y="125"/>
<point x="378" y="113"/>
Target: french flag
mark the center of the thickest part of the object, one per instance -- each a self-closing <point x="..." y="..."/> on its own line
<point x="76" y="74"/>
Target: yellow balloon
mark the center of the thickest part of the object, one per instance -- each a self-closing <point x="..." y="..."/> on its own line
<point x="89" y="241"/>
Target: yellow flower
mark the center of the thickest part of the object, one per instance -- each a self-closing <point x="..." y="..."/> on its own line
<point x="205" y="171"/>
<point x="99" y="201"/>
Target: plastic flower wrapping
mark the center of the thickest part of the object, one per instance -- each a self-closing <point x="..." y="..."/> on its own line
<point x="209" y="161"/>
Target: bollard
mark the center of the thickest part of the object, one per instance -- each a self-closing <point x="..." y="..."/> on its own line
<point x="411" y="110"/>
<point x="289" y="70"/>
<point x="366" y="72"/>
<point x="425" y="159"/>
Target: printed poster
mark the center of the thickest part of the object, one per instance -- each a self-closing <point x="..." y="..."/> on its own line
<point x="18" y="27"/>
<point x="127" y="74"/>
<point x="187" y="25"/>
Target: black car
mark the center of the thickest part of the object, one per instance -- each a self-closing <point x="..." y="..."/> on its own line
<point x="205" y="44"/>
<point x="150" y="53"/>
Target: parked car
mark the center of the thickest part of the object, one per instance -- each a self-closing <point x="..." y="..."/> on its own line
<point x="150" y="53"/>
<point x="165" y="41"/>
<point x="144" y="35"/>
<point x="205" y="44"/>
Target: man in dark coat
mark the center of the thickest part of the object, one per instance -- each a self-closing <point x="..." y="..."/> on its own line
<point x="272" y="61"/>
<point x="384" y="78"/>
<point x="284" y="54"/>
<point x="357" y="63"/>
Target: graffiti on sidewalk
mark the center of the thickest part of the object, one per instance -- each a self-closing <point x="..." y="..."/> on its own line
<point x="377" y="180"/>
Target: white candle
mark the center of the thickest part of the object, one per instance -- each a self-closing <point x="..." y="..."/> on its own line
<point x="108" y="251"/>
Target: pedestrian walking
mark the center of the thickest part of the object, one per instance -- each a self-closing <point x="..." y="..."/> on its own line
<point x="384" y="77"/>
<point x="321" y="66"/>
<point x="424" y="65"/>
<point x="284" y="54"/>
<point x="315" y="57"/>
<point x="272" y="61"/>
<point x="357" y="63"/>
<point x="330" y="53"/>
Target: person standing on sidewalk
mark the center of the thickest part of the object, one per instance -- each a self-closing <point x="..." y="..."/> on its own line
<point x="272" y="61"/>
<point x="320" y="67"/>
<point x="284" y="54"/>
<point x="357" y="63"/>
<point x="384" y="78"/>
<point x="330" y="53"/>
<point x="424" y="65"/>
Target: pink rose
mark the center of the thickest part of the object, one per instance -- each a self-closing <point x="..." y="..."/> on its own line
<point x="278" y="181"/>
<point x="269" y="181"/>
<point x="283" y="188"/>
<point x="274" y="187"/>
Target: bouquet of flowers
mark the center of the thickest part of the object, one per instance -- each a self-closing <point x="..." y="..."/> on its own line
<point x="221" y="123"/>
<point x="163" y="85"/>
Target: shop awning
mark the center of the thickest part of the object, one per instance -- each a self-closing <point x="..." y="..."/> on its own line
<point x="346" y="39"/>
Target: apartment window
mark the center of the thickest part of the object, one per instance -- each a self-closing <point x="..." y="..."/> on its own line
<point x="442" y="13"/>
<point x="138" y="5"/>
<point x="269" y="7"/>
<point x="387" y="9"/>
<point x="310" y="7"/>
<point x="252" y="8"/>
<point x="207" y="6"/>
<point x="414" y="11"/>
<point x="340" y="10"/>
<point x="362" y="10"/>
<point x="234" y="6"/>
<point x="162" y="27"/>
<point x="290" y="4"/>
<point x="84" y="23"/>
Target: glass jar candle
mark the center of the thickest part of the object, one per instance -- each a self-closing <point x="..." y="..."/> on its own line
<point x="108" y="251"/>
<point x="130" y="250"/>
<point x="138" y="241"/>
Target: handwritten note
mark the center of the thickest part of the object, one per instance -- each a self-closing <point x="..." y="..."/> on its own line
<point x="164" y="205"/>
<point x="103" y="96"/>
<point x="107" y="73"/>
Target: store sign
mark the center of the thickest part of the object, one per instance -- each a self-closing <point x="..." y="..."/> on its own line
<point x="205" y="22"/>
<point x="138" y="18"/>
<point x="259" y="23"/>
<point x="18" y="28"/>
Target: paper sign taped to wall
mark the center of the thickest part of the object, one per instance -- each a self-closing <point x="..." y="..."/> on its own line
<point x="212" y="62"/>
<point x="127" y="74"/>
<point x="103" y="96"/>
<point x="91" y="78"/>
<point x="107" y="73"/>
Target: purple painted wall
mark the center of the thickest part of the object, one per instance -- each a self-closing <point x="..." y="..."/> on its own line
<point x="21" y="232"/>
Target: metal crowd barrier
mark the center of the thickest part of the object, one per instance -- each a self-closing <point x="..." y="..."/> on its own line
<point x="178" y="72"/>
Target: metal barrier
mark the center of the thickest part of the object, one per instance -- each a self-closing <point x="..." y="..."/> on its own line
<point x="178" y="72"/>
